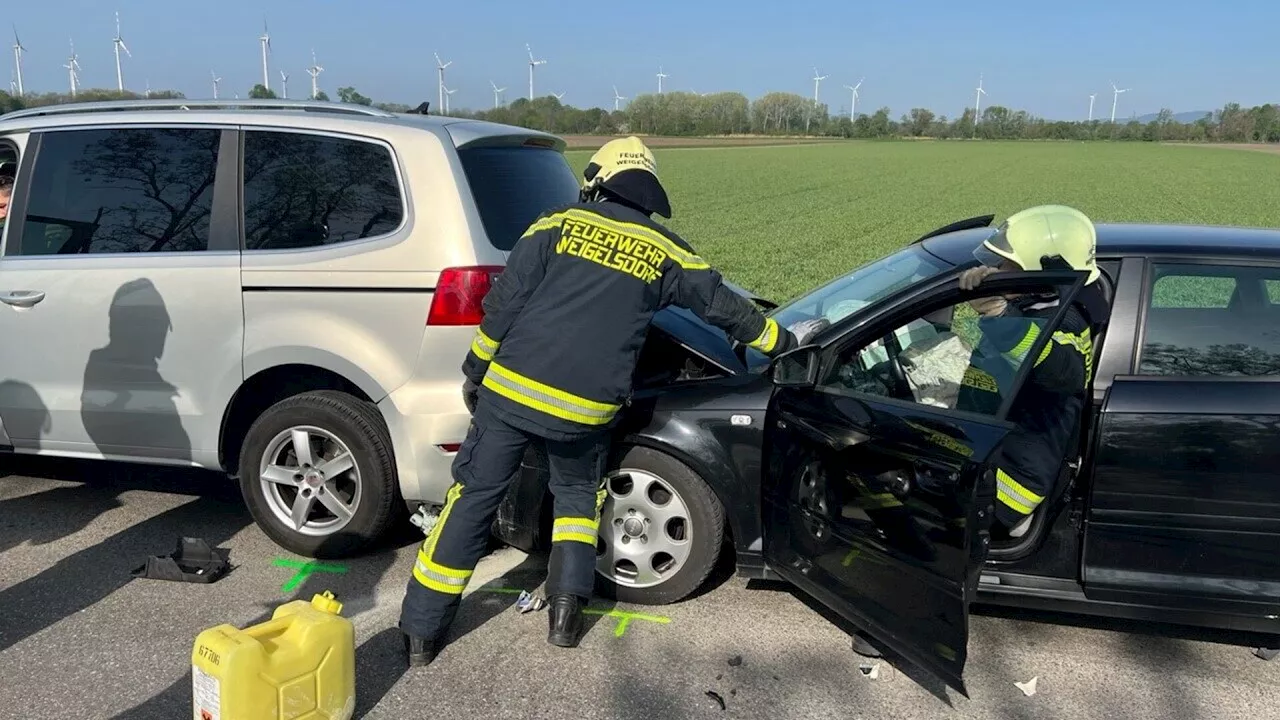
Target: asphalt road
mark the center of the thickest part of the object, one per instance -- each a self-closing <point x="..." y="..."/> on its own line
<point x="80" y="638"/>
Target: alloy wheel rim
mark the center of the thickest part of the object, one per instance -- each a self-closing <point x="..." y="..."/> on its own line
<point x="811" y="495"/>
<point x="310" y="480"/>
<point x="646" y="532"/>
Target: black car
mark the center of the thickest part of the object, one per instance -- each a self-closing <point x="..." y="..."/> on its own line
<point x="844" y="467"/>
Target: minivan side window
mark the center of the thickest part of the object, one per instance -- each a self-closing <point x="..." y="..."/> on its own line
<point x="306" y="191"/>
<point x="1211" y="320"/>
<point x="124" y="190"/>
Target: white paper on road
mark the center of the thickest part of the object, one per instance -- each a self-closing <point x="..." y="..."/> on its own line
<point x="1028" y="688"/>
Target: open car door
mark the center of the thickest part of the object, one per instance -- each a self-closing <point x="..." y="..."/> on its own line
<point x="880" y="453"/>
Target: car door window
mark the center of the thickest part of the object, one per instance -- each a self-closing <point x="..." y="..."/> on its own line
<point x="1211" y="320"/>
<point x="123" y="190"/>
<point x="1273" y="292"/>
<point x="306" y="191"/>
<point x="947" y="358"/>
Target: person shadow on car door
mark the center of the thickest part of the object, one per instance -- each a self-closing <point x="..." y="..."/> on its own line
<point x="126" y="406"/>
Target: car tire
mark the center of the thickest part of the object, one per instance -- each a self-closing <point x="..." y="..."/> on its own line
<point x="335" y="424"/>
<point x="690" y="560"/>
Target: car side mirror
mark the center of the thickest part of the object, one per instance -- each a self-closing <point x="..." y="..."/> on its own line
<point x="796" y="368"/>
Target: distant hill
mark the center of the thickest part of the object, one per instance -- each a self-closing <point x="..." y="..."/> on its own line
<point x="1182" y="117"/>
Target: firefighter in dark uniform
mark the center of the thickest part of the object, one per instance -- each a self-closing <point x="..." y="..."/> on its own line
<point x="552" y="362"/>
<point x="1047" y="411"/>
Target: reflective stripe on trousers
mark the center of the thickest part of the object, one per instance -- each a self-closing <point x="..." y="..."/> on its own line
<point x="427" y="571"/>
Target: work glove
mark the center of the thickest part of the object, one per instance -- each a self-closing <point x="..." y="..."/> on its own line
<point x="470" y="391"/>
<point x="971" y="278"/>
<point x="803" y="330"/>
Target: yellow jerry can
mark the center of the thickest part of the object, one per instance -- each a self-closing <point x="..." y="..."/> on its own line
<point x="299" y="665"/>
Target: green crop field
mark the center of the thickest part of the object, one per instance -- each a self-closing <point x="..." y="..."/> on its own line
<point x="780" y="220"/>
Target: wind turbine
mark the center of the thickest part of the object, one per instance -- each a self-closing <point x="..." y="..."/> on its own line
<point x="661" y="75"/>
<point x="13" y="83"/>
<point x="314" y="71"/>
<point x="816" y="79"/>
<point x="73" y="69"/>
<point x="447" y="93"/>
<point x="265" y="39"/>
<point x="1115" y="98"/>
<point x="147" y="91"/>
<point x="216" y="80"/>
<point x="284" y="86"/>
<point x="616" y="98"/>
<point x="853" y="105"/>
<point x="17" y="58"/>
<point x="119" y="43"/>
<point x="557" y="96"/>
<point x="977" y="103"/>
<point x="497" y="91"/>
<point x="532" y="64"/>
<point x="440" y="66"/>
<point x="1091" y="97"/>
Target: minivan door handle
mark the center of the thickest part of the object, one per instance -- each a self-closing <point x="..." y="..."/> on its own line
<point x="22" y="298"/>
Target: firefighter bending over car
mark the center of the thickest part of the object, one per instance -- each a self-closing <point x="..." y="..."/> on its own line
<point x="1047" y="410"/>
<point x="552" y="363"/>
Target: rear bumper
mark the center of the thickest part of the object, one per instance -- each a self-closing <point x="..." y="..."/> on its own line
<point x="424" y="418"/>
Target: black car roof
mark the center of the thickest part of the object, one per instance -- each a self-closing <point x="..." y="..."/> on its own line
<point x="1118" y="239"/>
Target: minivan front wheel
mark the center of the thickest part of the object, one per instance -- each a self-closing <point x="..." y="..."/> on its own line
<point x="317" y="473"/>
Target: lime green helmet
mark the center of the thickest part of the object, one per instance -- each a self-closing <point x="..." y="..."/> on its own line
<point x="1042" y="238"/>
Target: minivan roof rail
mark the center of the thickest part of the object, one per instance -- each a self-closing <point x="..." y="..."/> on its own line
<point x="179" y="104"/>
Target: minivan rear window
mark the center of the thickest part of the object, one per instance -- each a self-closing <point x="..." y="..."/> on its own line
<point x="512" y="186"/>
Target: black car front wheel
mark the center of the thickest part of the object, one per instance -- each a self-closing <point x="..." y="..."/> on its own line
<point x="661" y="529"/>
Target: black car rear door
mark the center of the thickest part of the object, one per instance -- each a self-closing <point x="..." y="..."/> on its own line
<point x="1184" y="509"/>
<point x="879" y="482"/>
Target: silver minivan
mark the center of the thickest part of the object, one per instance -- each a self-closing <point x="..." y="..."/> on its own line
<point x="281" y="290"/>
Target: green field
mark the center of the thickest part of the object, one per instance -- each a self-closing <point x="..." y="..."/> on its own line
<point x="780" y="220"/>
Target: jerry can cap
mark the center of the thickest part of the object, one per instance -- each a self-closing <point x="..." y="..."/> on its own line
<point x="324" y="602"/>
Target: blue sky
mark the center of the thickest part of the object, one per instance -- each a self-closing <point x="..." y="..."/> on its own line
<point x="927" y="53"/>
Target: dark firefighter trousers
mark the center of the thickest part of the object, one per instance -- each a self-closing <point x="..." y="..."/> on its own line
<point x="485" y="466"/>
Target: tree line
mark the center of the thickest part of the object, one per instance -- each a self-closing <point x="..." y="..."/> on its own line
<point x="779" y="113"/>
<point x="731" y="113"/>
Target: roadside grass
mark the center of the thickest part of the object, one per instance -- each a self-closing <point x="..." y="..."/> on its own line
<point x="782" y="220"/>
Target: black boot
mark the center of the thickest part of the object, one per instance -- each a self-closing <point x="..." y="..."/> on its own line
<point x="564" y="616"/>
<point x="420" y="650"/>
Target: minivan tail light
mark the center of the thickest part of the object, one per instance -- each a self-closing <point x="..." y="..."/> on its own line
<point x="460" y="293"/>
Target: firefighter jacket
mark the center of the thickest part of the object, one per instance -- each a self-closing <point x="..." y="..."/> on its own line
<point x="1046" y="411"/>
<point x="565" y="321"/>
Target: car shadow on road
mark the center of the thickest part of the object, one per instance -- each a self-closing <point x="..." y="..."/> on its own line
<point x="80" y="580"/>
<point x="49" y="515"/>
<point x="916" y="674"/>
<point x="1163" y="649"/>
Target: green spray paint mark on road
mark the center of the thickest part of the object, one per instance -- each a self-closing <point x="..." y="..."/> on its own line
<point x="303" y="570"/>
<point x="623" y="617"/>
<point x="501" y="590"/>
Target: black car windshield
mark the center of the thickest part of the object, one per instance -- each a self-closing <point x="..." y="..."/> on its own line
<point x="849" y="293"/>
